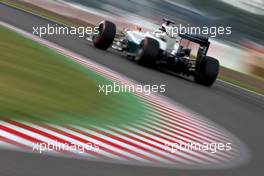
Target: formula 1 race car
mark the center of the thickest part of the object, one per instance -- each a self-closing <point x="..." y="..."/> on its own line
<point x="162" y="49"/>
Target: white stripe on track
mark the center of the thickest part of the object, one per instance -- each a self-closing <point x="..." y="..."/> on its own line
<point x="188" y="154"/>
<point x="157" y="145"/>
<point x="182" y="131"/>
<point x="184" y="119"/>
<point x="148" y="147"/>
<point x="175" y="137"/>
<point x="173" y="118"/>
<point x="142" y="152"/>
<point x="60" y="137"/>
<point x="38" y="137"/>
<point x="162" y="103"/>
<point x="16" y="138"/>
<point x="101" y="144"/>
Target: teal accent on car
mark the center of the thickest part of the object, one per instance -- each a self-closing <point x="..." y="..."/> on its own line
<point x="132" y="47"/>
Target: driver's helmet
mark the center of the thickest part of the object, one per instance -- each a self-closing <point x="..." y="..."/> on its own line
<point x="168" y="29"/>
<point x="138" y="28"/>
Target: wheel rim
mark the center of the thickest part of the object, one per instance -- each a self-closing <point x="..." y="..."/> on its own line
<point x="96" y="37"/>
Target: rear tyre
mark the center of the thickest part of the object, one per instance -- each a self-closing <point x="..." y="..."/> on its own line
<point x="106" y="35"/>
<point x="148" y="51"/>
<point x="207" y="71"/>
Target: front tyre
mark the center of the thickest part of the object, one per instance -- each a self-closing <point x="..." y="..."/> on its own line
<point x="148" y="51"/>
<point x="106" y="35"/>
<point x="207" y="71"/>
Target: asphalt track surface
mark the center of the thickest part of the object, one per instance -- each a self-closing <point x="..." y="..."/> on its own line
<point x="238" y="111"/>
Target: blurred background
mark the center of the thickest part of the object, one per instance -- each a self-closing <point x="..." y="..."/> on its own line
<point x="245" y="17"/>
<point x="242" y="51"/>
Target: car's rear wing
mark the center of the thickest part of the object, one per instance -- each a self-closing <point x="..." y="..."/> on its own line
<point x="196" y="39"/>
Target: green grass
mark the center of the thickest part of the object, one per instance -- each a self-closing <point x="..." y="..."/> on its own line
<point x="241" y="84"/>
<point x="36" y="83"/>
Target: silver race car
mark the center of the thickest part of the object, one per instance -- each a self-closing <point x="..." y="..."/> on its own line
<point x="163" y="49"/>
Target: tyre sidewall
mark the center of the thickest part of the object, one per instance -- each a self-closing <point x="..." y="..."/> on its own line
<point x="148" y="51"/>
<point x="106" y="36"/>
<point x="207" y="72"/>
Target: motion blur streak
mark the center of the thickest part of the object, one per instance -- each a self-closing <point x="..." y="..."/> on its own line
<point x="113" y="146"/>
